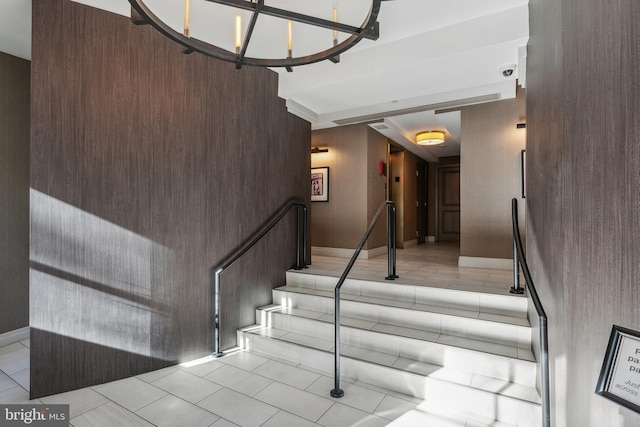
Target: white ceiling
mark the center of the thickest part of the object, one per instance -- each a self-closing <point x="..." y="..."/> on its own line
<point x="431" y="57"/>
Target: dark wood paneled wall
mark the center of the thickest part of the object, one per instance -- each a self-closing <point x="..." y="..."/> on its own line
<point x="148" y="168"/>
<point x="583" y="188"/>
<point x="14" y="192"/>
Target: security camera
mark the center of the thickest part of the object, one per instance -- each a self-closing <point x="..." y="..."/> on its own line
<point x="507" y="70"/>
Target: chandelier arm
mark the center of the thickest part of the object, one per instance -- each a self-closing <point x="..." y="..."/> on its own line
<point x="367" y="32"/>
<point x="189" y="43"/>
<point x="252" y="24"/>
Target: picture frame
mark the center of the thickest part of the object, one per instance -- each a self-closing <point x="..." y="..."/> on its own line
<point x="320" y="184"/>
<point x="619" y="379"/>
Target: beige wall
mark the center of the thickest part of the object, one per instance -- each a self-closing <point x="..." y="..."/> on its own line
<point x="340" y="222"/>
<point x="490" y="176"/>
<point x="376" y="186"/>
<point x="356" y="189"/>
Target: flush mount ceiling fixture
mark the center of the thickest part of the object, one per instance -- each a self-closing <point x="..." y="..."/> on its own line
<point x="264" y="33"/>
<point x="430" y="138"/>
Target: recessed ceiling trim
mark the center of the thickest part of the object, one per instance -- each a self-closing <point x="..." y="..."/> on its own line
<point x="436" y="106"/>
<point x="301" y="111"/>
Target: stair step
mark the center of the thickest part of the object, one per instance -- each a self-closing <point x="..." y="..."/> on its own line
<point x="486" y="302"/>
<point x="465" y="354"/>
<point x="366" y="340"/>
<point x="419" y="417"/>
<point x="499" y="329"/>
<point x="465" y="394"/>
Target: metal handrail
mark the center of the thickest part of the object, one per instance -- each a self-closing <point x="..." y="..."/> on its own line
<point x="519" y="258"/>
<point x="391" y="254"/>
<point x="301" y="256"/>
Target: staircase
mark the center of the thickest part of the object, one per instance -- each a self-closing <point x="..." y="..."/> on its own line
<point x="467" y="354"/>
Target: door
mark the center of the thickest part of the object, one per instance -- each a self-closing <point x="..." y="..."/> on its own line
<point x="449" y="203"/>
<point x="421" y="204"/>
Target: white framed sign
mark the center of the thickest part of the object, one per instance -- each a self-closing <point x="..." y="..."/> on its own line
<point x="620" y="374"/>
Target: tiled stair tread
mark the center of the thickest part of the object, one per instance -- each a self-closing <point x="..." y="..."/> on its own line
<point x="421" y="279"/>
<point x="447" y="311"/>
<point x="419" y="417"/>
<point x="433" y="284"/>
<point x="485" y="347"/>
<point x="402" y="331"/>
<point x="515" y="319"/>
<point x="476" y="381"/>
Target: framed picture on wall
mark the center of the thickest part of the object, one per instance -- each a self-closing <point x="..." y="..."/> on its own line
<point x="320" y="184"/>
<point x="620" y="374"/>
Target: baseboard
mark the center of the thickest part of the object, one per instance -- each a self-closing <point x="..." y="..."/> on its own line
<point x="410" y="243"/>
<point x="479" y="262"/>
<point x="14" y="336"/>
<point x="348" y="253"/>
<point x="431" y="239"/>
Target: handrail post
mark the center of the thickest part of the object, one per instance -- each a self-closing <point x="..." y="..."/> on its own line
<point x="516" y="288"/>
<point x="298" y="265"/>
<point x="337" y="391"/>
<point x="544" y="373"/>
<point x="218" y="351"/>
<point x="391" y="241"/>
<point x="305" y="235"/>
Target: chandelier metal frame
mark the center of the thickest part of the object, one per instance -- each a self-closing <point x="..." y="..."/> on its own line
<point x="141" y="14"/>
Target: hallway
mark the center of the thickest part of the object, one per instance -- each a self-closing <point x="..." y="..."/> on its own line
<point x="247" y="389"/>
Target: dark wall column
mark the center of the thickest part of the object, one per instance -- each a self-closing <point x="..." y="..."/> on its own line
<point x="583" y="191"/>
<point x="14" y="192"/>
<point x="148" y="168"/>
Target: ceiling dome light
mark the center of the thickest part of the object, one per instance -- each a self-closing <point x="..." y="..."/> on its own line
<point x="250" y="32"/>
<point x="430" y="138"/>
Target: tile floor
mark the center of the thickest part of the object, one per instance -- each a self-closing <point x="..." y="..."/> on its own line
<point x="245" y="389"/>
<point x="239" y="389"/>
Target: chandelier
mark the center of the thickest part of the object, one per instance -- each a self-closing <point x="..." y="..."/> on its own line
<point x="263" y="33"/>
